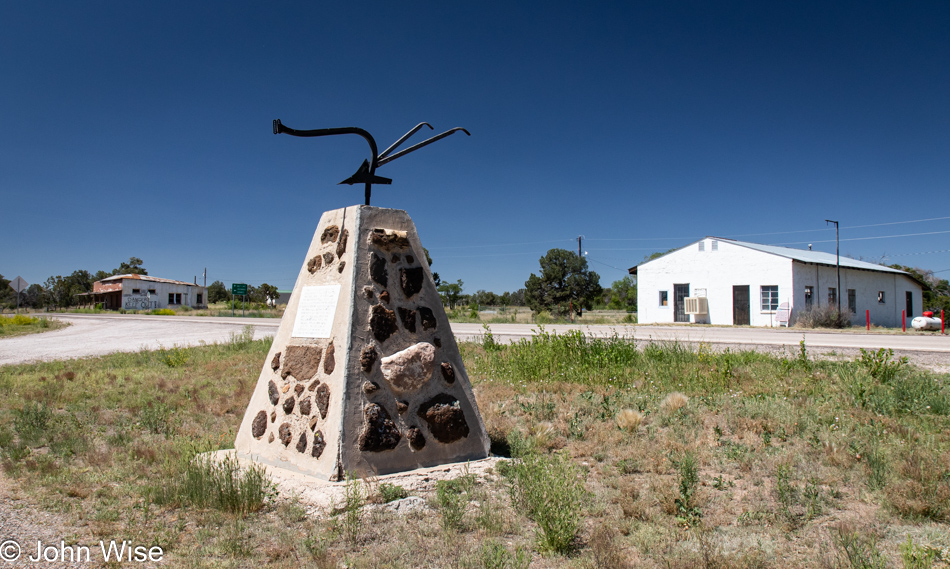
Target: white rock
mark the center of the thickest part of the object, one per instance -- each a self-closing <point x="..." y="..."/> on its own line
<point x="409" y="369"/>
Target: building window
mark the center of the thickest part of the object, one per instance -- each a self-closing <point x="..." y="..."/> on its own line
<point x="809" y="296"/>
<point x="151" y="291"/>
<point x="174" y="298"/>
<point x="702" y="245"/>
<point x="852" y="301"/>
<point x="769" y="298"/>
<point x="198" y="298"/>
<point x="832" y="295"/>
<point x="880" y="297"/>
<point x="715" y="245"/>
<point x="135" y="291"/>
<point x="664" y="298"/>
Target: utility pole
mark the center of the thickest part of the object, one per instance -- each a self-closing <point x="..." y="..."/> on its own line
<point x="837" y="263"/>
<point x="206" y="276"/>
<point x="579" y="237"/>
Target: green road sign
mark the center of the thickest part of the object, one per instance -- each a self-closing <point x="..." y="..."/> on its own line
<point x="239" y="289"/>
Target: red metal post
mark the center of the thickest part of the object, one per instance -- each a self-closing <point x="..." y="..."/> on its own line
<point x="869" y="319"/>
<point x="903" y="320"/>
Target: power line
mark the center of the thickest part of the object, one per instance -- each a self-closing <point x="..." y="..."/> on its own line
<point x="606" y="265"/>
<point x="867" y="238"/>
<point x="896" y="222"/>
<point x="920" y="253"/>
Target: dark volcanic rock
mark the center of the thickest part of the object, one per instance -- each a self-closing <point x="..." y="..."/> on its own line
<point x="313" y="385"/>
<point x="318" y="444"/>
<point x="411" y="280"/>
<point x="284" y="433"/>
<point x="302" y="362"/>
<point x="368" y="292"/>
<point x="408" y="317"/>
<point x="368" y="357"/>
<point x="302" y="443"/>
<point x="401" y="407"/>
<point x="273" y="393"/>
<point x="273" y="416"/>
<point x="394" y="258"/>
<point x="428" y="318"/>
<point x="445" y="418"/>
<point x="314" y="264"/>
<point x="328" y="259"/>
<point x="384" y="296"/>
<point x="341" y="246"/>
<point x="275" y="363"/>
<point x="379" y="431"/>
<point x="304" y="406"/>
<point x="329" y="234"/>
<point x="378" y="271"/>
<point x="323" y="400"/>
<point x="370" y="387"/>
<point x="289" y="405"/>
<point x="448" y="372"/>
<point x="329" y="361"/>
<point x="339" y="269"/>
<point x="382" y="322"/>
<point x="259" y="426"/>
<point x="298" y="389"/>
<point x="416" y="440"/>
<point x="437" y="341"/>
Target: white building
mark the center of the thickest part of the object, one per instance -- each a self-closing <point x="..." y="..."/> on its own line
<point x="142" y="292"/>
<point x="742" y="283"/>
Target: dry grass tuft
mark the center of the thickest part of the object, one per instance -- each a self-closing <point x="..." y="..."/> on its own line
<point x="673" y="402"/>
<point x="629" y="420"/>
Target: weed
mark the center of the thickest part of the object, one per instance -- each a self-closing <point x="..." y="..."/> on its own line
<point x="825" y="316"/>
<point x="495" y="555"/>
<point x="488" y="340"/>
<point x="452" y="497"/>
<point x="156" y="418"/>
<point x="392" y="492"/>
<point x="547" y="489"/>
<point x="673" y="403"/>
<point x="916" y="556"/>
<point x="876" y="462"/>
<point x="687" y="512"/>
<point x="31" y="422"/>
<point x="221" y="484"/>
<point x="880" y="364"/>
<point x="856" y="550"/>
<point x="603" y="547"/>
<point x="173" y="357"/>
<point x="354" y="497"/>
<point x="162" y="312"/>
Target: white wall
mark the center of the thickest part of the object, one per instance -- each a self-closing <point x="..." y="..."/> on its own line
<point x="717" y="272"/>
<point x="159" y="299"/>
<point x="867" y="285"/>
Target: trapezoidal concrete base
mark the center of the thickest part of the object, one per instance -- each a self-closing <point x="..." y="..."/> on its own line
<point x="364" y="374"/>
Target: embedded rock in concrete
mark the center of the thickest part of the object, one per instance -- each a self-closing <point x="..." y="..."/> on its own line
<point x="377" y="270"/>
<point x="259" y="426"/>
<point x="368" y="357"/>
<point x="382" y="322"/>
<point x="323" y="400"/>
<point x="302" y="362"/>
<point x="318" y="444"/>
<point x="329" y="361"/>
<point x="445" y="418"/>
<point x="408" y="317"/>
<point x="314" y="264"/>
<point x="409" y="369"/>
<point x="411" y="281"/>
<point x="341" y="246"/>
<point x="329" y="234"/>
<point x="284" y="433"/>
<point x="448" y="374"/>
<point x="379" y="431"/>
<point x="341" y="409"/>
<point x="428" y="318"/>
<point x="416" y="439"/>
<point x="389" y="239"/>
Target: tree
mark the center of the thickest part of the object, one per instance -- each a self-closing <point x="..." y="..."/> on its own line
<point x="622" y="295"/>
<point x="268" y="292"/>
<point x="132" y="267"/>
<point x="565" y="284"/>
<point x="451" y="293"/>
<point x="217" y="292"/>
<point x="435" y="276"/>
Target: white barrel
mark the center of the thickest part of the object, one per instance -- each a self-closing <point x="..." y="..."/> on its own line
<point x="925" y="323"/>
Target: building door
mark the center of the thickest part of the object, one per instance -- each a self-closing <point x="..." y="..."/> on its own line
<point x="741" y="311"/>
<point x="852" y="301"/>
<point x="680" y="292"/>
<point x="910" y="304"/>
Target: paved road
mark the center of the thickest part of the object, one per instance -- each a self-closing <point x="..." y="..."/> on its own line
<point x="98" y="334"/>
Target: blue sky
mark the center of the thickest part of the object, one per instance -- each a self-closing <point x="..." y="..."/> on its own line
<point x="144" y="129"/>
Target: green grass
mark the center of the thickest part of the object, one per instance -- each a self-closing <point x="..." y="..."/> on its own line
<point x="22" y="324"/>
<point x="769" y="460"/>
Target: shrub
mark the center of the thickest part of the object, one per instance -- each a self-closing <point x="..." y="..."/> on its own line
<point x="826" y="316"/>
<point x="222" y="485"/>
<point x="673" y="402"/>
<point x="392" y="492"/>
<point x="857" y="551"/>
<point x="173" y="357"/>
<point x="880" y="364"/>
<point x="495" y="555"/>
<point x="163" y="312"/>
<point x="453" y="496"/>
<point x="629" y="420"/>
<point x="547" y="488"/>
<point x="687" y="512"/>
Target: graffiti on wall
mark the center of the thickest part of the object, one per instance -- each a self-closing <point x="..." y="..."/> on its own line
<point x="136" y="301"/>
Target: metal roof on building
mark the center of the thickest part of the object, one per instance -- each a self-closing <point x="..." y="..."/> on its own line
<point x="800" y="255"/>
<point x="146" y="278"/>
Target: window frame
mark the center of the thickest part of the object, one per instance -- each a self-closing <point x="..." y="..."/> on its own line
<point x="772" y="298"/>
<point x="664" y="299"/>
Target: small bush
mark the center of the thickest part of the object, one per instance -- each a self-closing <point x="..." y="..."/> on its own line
<point x="548" y="489"/>
<point x="918" y="557"/>
<point x="173" y="357"/>
<point x="222" y="485"/>
<point x="857" y="551"/>
<point x="162" y="312"/>
<point x="673" y="402"/>
<point x="452" y="497"/>
<point x="392" y="492"/>
<point x="354" y="497"/>
<point x="629" y="420"/>
<point x="880" y="364"/>
<point x="688" y="512"/>
<point x="495" y="555"/>
<point x="826" y="316"/>
<point x="31" y="423"/>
